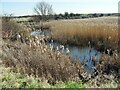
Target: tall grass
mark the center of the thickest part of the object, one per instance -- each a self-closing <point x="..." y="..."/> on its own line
<point x="52" y="66"/>
<point x="80" y="32"/>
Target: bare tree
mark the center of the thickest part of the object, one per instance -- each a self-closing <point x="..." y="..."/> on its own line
<point x="43" y="9"/>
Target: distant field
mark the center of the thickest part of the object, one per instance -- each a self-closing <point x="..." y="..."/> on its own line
<point x="81" y="31"/>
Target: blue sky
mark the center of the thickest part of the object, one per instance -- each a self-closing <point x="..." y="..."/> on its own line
<point x="25" y="7"/>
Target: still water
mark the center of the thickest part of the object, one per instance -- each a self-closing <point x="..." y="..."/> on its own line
<point x="85" y="54"/>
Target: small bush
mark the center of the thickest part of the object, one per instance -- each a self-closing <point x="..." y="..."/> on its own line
<point x="10" y="28"/>
<point x="109" y="64"/>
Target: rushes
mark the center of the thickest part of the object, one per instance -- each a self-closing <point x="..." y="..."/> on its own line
<point x="80" y="32"/>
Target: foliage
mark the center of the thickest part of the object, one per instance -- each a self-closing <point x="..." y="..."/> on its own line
<point x="11" y="79"/>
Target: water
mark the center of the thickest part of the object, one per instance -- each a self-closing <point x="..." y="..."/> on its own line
<point x="37" y="33"/>
<point x="80" y="53"/>
<point x="85" y="54"/>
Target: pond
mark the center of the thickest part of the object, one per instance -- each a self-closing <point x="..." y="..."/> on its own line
<point x="85" y="54"/>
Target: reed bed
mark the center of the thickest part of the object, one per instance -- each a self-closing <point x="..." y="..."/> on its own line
<point x="51" y="66"/>
<point x="81" y="31"/>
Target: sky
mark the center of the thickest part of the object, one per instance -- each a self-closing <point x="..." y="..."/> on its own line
<point x="25" y="7"/>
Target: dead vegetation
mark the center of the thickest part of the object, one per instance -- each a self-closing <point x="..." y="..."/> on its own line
<point x="40" y="61"/>
<point x="10" y="29"/>
<point x="35" y="58"/>
<point x="110" y="64"/>
<point x="99" y="31"/>
<point x="53" y="66"/>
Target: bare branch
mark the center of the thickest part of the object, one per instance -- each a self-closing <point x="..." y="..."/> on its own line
<point x="43" y="8"/>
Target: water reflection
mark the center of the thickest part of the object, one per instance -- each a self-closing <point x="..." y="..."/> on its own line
<point x="85" y="54"/>
<point x="82" y="54"/>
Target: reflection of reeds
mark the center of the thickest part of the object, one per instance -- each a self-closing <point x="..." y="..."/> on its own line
<point x="79" y="32"/>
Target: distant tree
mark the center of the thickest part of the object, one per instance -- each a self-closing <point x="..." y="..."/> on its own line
<point x="43" y="9"/>
<point x="7" y="17"/>
<point x="66" y="15"/>
<point x="94" y="15"/>
<point x="77" y="14"/>
<point x="101" y="15"/>
<point x="71" y="14"/>
<point x="61" y="15"/>
<point x="108" y="14"/>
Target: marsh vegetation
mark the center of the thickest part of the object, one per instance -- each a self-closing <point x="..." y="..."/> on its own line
<point x="45" y="53"/>
<point x="30" y="55"/>
<point x="97" y="31"/>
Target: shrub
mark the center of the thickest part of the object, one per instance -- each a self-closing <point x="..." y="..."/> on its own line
<point x="10" y="28"/>
<point x="110" y="63"/>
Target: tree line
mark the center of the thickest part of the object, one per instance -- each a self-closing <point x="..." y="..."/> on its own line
<point x="44" y="11"/>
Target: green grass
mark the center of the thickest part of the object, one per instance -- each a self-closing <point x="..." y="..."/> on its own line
<point x="17" y="80"/>
<point x="72" y="84"/>
<point x="11" y="79"/>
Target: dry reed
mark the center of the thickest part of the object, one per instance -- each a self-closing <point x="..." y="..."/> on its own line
<point x="80" y="32"/>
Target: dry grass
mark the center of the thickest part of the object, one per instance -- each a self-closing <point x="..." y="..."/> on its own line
<point x="50" y="65"/>
<point x="37" y="60"/>
<point x="109" y="63"/>
<point x="80" y="32"/>
<point x="10" y="28"/>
